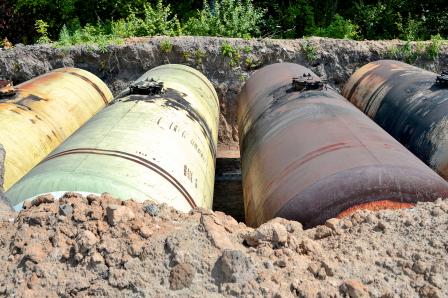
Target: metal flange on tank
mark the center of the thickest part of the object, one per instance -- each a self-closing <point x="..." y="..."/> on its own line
<point x="38" y="115"/>
<point x="409" y="103"/>
<point x="308" y="154"/>
<point x="157" y="140"/>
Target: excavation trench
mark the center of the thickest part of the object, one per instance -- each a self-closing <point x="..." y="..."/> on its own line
<point x="119" y="65"/>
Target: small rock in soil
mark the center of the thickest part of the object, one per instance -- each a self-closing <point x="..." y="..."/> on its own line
<point x="151" y="209"/>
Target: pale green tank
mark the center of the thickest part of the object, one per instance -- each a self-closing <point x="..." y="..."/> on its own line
<point x="150" y="143"/>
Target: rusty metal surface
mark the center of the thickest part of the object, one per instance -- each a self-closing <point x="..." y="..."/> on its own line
<point x="309" y="155"/>
<point x="409" y="103"/>
<point x="376" y="206"/>
<point x="6" y="88"/>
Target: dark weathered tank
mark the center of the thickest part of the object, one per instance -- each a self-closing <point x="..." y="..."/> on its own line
<point x="308" y="154"/>
<point x="409" y="103"/>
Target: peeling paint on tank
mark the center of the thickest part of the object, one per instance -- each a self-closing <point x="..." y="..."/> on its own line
<point x="177" y="100"/>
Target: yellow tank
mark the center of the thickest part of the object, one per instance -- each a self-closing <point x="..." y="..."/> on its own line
<point x="156" y="141"/>
<point x="38" y="115"/>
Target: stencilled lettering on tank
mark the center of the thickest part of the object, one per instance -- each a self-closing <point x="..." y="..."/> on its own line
<point x="141" y="153"/>
<point x="176" y="128"/>
<point x="197" y="148"/>
<point x="188" y="173"/>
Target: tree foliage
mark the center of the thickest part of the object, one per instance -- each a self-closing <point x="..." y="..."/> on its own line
<point x="354" y="19"/>
<point x="231" y="18"/>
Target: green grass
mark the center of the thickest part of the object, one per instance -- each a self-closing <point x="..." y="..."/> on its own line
<point x="410" y="51"/>
<point x="309" y="50"/>
<point x="166" y="46"/>
<point x="229" y="51"/>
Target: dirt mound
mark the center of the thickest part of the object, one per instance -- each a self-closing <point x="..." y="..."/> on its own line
<point x="79" y="246"/>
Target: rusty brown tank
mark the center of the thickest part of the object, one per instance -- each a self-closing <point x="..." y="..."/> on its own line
<point x="308" y="154"/>
<point x="409" y="103"/>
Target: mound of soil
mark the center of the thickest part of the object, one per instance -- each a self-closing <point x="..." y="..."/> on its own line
<point x="78" y="246"/>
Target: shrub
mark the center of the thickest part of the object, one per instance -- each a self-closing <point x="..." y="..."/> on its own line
<point x="123" y="28"/>
<point x="377" y="20"/>
<point x="230" y="18"/>
<point x="412" y="31"/>
<point x="227" y="50"/>
<point x="90" y="35"/>
<point x="434" y="46"/>
<point x="64" y="37"/>
<point x="339" y="28"/>
<point x="166" y="46"/>
<point x="155" y="21"/>
<point x="298" y="19"/>
<point x="42" y="30"/>
<point x="309" y="50"/>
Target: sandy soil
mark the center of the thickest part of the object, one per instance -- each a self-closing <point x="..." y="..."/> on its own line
<point x="101" y="246"/>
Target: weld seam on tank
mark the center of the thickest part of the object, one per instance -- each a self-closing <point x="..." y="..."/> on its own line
<point x="308" y="155"/>
<point x="144" y="162"/>
<point x="103" y="96"/>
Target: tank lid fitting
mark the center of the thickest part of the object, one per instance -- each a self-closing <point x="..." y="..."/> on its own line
<point x="307" y="82"/>
<point x="146" y="87"/>
<point x="6" y="88"/>
<point x="442" y="79"/>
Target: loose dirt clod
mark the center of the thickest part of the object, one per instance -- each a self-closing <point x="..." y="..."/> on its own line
<point x="98" y="245"/>
<point x="181" y="276"/>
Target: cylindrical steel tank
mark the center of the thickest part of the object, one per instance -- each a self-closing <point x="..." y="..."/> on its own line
<point x="308" y="154"/>
<point x="156" y="141"/>
<point x="38" y="115"/>
<point x="409" y="103"/>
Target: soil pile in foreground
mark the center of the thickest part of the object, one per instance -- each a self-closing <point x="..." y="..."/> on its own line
<point x="79" y="246"/>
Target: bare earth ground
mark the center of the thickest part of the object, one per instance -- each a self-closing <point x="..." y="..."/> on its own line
<point x="79" y="246"/>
